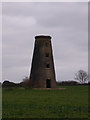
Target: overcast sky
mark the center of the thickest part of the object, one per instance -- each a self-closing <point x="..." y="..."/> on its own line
<point x="66" y="23"/>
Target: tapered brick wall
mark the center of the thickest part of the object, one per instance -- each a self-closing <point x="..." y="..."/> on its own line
<point x="42" y="74"/>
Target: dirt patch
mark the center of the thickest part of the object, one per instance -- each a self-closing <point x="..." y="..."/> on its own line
<point x="49" y="88"/>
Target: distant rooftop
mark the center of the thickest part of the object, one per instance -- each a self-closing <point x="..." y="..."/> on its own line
<point x="42" y="36"/>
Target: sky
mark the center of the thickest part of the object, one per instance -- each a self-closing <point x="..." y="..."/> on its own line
<point x="66" y="23"/>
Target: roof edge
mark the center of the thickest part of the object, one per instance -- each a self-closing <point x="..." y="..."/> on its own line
<point x="43" y="36"/>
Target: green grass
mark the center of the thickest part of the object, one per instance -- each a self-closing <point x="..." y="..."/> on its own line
<point x="0" y="103"/>
<point x="28" y="103"/>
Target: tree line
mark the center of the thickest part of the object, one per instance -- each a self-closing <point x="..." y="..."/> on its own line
<point x="81" y="76"/>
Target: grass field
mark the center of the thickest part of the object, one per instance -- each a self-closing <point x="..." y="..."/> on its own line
<point x="28" y="103"/>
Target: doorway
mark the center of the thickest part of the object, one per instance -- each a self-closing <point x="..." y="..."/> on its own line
<point x="48" y="83"/>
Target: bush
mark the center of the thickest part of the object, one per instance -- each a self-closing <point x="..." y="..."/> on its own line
<point x="11" y="84"/>
<point x="67" y="83"/>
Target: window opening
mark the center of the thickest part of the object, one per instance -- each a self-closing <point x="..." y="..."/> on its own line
<point x="48" y="65"/>
<point x="47" y="54"/>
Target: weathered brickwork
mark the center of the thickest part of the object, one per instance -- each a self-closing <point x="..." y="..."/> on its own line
<point x="42" y="74"/>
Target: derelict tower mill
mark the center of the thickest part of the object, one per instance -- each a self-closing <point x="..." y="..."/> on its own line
<point x="42" y="73"/>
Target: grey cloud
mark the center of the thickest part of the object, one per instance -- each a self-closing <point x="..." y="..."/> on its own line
<point x="65" y="22"/>
<point x="50" y="14"/>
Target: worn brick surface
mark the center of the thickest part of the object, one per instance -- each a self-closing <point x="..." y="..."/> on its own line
<point x="39" y="72"/>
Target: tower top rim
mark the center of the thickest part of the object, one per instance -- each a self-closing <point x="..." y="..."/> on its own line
<point x="43" y="36"/>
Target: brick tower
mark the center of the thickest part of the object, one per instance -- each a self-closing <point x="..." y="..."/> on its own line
<point x="42" y="69"/>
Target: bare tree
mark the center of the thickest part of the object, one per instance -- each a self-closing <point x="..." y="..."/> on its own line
<point x="81" y="76"/>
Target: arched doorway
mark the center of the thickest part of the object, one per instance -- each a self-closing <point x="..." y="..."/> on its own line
<point x="48" y="83"/>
